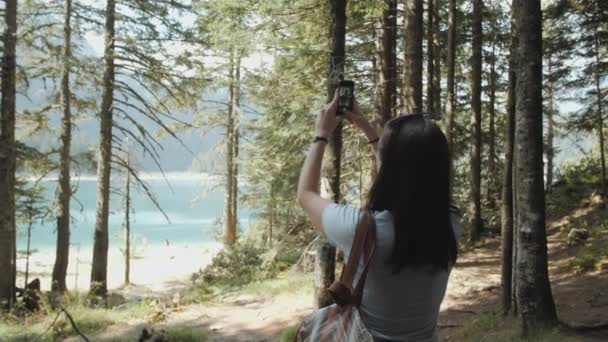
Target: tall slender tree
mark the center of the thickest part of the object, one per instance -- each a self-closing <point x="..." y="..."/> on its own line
<point x="386" y="62"/>
<point x="325" y="258"/>
<point x="430" y="55"/>
<point x="534" y="296"/>
<point x="236" y="108"/>
<point x="476" y="61"/>
<point x="507" y="248"/>
<point x="127" y="223"/>
<point x="229" y="218"/>
<point x="437" y="44"/>
<point x="99" y="268"/>
<point x="412" y="61"/>
<point x="450" y="106"/>
<point x="7" y="158"/>
<point x="64" y="189"/>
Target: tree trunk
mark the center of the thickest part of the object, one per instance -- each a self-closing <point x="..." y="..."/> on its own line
<point x="476" y="61"/>
<point x="7" y="159"/>
<point x="550" y="152"/>
<point x="437" y="55"/>
<point x="600" y="119"/>
<point x="99" y="269"/>
<point x="507" y="215"/>
<point x="229" y="221"/>
<point x="64" y="188"/>
<point x="430" y="63"/>
<point x="534" y="297"/>
<point x="492" y="190"/>
<point x="412" y="60"/>
<point x="28" y="253"/>
<point x="236" y="110"/>
<point x="325" y="258"/>
<point x="386" y="63"/>
<point x="451" y="98"/>
<point x="128" y="223"/>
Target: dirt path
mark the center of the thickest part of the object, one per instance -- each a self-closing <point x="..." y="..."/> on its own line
<point x="473" y="288"/>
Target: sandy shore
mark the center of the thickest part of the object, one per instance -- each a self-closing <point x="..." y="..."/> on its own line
<point x="158" y="269"/>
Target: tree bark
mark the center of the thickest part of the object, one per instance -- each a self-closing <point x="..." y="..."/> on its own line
<point x="534" y="297"/>
<point x="8" y="159"/>
<point x="430" y="63"/>
<point x="98" y="286"/>
<point x="325" y="258"/>
<point x="507" y="212"/>
<point x="236" y="109"/>
<point x="476" y="60"/>
<point x="64" y="188"/>
<point x="412" y="61"/>
<point x="229" y="220"/>
<point x="550" y="152"/>
<point x="600" y="119"/>
<point x="450" y="91"/>
<point x="492" y="190"/>
<point x="128" y="223"/>
<point x="386" y="63"/>
<point x="437" y="55"/>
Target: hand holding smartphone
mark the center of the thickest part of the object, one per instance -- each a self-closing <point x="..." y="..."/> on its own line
<point x="346" y="92"/>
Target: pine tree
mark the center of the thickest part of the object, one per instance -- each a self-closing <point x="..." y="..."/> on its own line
<point x="451" y="89"/>
<point x="148" y="86"/>
<point x="412" y="88"/>
<point x="592" y="17"/>
<point x="534" y="297"/>
<point x="64" y="187"/>
<point x="558" y="46"/>
<point x="386" y="61"/>
<point x="8" y="158"/>
<point x="508" y="250"/>
<point x="476" y="66"/>
<point x="325" y="262"/>
<point x="99" y="266"/>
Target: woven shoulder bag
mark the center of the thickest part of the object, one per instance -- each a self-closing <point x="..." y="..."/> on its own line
<point x="341" y="321"/>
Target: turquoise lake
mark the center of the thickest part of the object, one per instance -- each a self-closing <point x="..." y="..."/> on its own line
<point x="193" y="209"/>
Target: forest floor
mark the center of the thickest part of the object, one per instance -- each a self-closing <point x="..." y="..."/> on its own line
<point x="579" y="276"/>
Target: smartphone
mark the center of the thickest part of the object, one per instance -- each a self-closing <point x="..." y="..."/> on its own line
<point x="346" y="91"/>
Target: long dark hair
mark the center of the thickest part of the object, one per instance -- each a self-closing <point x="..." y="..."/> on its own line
<point x="413" y="184"/>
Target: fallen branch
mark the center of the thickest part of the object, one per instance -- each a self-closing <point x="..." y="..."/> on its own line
<point x="295" y="266"/>
<point x="64" y="311"/>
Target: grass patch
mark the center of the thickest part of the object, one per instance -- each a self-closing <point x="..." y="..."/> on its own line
<point x="88" y="320"/>
<point x="493" y="327"/>
<point x="284" y="283"/>
<point x="590" y="257"/>
<point x="180" y="334"/>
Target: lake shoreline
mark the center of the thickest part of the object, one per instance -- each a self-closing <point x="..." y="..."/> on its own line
<point x="158" y="268"/>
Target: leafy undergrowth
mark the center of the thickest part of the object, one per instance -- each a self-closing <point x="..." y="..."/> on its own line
<point x="495" y="327"/>
<point x="284" y="283"/>
<point x="41" y="326"/>
<point x="579" y="206"/>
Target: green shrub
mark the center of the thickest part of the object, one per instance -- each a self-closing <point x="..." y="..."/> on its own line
<point x="583" y="171"/>
<point x="590" y="256"/>
<point x="234" y="265"/>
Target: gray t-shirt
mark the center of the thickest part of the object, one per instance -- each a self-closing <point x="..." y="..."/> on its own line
<point x="402" y="306"/>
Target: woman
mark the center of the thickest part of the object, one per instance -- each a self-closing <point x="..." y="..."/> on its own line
<point x="417" y="230"/>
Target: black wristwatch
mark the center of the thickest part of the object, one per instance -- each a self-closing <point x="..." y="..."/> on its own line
<point x="318" y="138"/>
